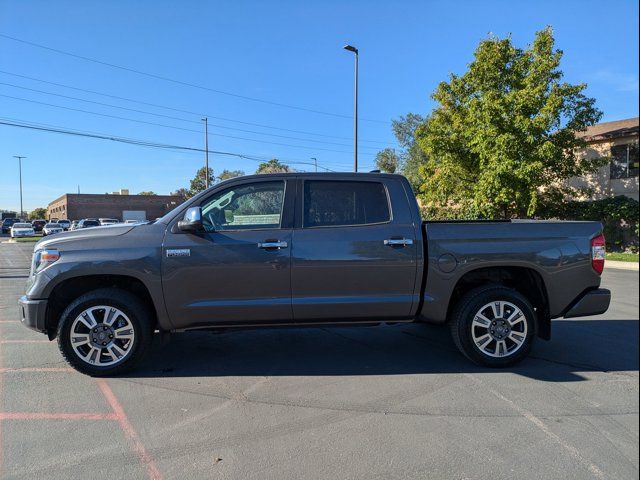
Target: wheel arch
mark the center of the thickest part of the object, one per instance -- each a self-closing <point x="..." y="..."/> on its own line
<point x="71" y="288"/>
<point x="527" y="281"/>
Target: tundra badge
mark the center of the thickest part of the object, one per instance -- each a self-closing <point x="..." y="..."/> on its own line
<point x="178" y="252"/>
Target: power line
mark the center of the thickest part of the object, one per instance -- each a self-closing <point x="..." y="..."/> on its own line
<point x="143" y="143"/>
<point x="197" y="114"/>
<point x="171" y="126"/>
<point x="180" y="82"/>
<point x="172" y="117"/>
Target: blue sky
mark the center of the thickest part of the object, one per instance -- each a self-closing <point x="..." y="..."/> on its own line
<point x="282" y="52"/>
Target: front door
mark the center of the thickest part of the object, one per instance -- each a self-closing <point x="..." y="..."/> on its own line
<point x="238" y="270"/>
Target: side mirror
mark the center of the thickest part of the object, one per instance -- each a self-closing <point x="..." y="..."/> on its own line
<point x="192" y="221"/>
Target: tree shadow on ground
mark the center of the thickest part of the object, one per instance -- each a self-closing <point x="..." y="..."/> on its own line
<point x="577" y="346"/>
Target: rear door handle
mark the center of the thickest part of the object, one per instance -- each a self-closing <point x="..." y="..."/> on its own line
<point x="393" y="242"/>
<point x="276" y="244"/>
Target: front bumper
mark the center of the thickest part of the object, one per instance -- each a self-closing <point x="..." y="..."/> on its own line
<point x="32" y="313"/>
<point x="593" y="302"/>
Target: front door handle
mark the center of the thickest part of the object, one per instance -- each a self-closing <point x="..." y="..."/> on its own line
<point x="273" y="244"/>
<point x="394" y="242"/>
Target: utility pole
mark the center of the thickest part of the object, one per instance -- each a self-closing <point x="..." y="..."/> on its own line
<point x="355" y="108"/>
<point x="315" y="162"/>
<point x="20" y="170"/>
<point x="206" y="152"/>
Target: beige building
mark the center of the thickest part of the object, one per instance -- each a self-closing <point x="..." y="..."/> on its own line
<point x="619" y="142"/>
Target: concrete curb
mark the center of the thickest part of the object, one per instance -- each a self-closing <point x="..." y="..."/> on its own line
<point x="621" y="265"/>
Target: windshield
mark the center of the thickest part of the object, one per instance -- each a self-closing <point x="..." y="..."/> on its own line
<point x="52" y="225"/>
<point x="21" y="225"/>
<point x="91" y="223"/>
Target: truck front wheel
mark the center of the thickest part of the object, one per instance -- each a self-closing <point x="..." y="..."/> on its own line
<point x="493" y="326"/>
<point x="104" y="332"/>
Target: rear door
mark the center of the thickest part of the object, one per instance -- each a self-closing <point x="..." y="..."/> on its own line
<point x="354" y="256"/>
<point x="238" y="270"/>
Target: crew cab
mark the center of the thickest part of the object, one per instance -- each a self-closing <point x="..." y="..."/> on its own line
<point x="307" y="249"/>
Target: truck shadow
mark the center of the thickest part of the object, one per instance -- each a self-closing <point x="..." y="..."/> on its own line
<point x="577" y="346"/>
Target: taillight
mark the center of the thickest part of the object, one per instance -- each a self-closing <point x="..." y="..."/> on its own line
<point x="598" y="252"/>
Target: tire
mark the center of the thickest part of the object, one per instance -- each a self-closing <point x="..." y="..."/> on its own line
<point x="105" y="348"/>
<point x="493" y="326"/>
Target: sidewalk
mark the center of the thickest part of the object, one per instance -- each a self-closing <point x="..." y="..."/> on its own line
<point x="621" y="265"/>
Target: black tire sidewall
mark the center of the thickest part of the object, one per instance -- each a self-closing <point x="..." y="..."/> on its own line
<point x="129" y="305"/>
<point x="465" y="313"/>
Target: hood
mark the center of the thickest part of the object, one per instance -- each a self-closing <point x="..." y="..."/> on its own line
<point x="84" y="233"/>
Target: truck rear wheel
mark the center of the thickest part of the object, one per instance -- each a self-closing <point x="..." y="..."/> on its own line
<point x="104" y="332"/>
<point x="493" y="326"/>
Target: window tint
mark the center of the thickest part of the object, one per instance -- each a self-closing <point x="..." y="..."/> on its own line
<point x="245" y="207"/>
<point x="344" y="203"/>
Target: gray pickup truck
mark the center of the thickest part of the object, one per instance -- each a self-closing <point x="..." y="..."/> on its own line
<point x="308" y="249"/>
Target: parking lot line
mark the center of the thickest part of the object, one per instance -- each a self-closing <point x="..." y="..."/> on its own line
<point x="117" y="414"/>
<point x="56" y="416"/>
<point x="127" y="428"/>
<point x="24" y="341"/>
<point x="37" y="369"/>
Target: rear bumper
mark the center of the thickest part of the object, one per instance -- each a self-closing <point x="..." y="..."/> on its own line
<point x="32" y="313"/>
<point x="593" y="302"/>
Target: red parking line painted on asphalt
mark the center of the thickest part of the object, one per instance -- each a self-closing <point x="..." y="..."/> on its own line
<point x="132" y="436"/>
<point x="35" y="369"/>
<point x="56" y="416"/>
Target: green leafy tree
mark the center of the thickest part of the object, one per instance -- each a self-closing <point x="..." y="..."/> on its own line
<point x="505" y="132"/>
<point x="149" y="192"/>
<point x="183" y="193"/>
<point x="410" y="156"/>
<point x="273" y="166"/>
<point x="387" y="160"/>
<point x="227" y="174"/>
<point x="198" y="183"/>
<point x="38" y="213"/>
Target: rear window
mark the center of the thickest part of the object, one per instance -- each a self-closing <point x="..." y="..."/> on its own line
<point x="91" y="223"/>
<point x="332" y="204"/>
<point x="22" y="225"/>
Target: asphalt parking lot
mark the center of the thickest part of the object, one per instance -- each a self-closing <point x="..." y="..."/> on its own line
<point x="340" y="403"/>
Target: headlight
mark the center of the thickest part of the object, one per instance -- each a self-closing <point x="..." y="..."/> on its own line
<point x="43" y="258"/>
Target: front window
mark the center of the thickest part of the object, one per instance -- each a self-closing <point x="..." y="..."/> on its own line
<point x="624" y="163"/>
<point x="245" y="207"/>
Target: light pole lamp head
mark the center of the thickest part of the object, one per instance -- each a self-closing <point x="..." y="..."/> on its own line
<point x="351" y="48"/>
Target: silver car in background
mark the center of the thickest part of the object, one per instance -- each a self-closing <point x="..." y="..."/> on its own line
<point x="22" y="230"/>
<point x="51" y="228"/>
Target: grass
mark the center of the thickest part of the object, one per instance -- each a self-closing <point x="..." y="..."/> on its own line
<point x="623" y="257"/>
<point x="27" y="239"/>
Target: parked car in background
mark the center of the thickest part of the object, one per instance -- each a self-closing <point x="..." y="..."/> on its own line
<point x="65" y="224"/>
<point x="22" y="230"/>
<point x="87" y="222"/>
<point x="130" y="222"/>
<point x="7" y="223"/>
<point x="38" y="225"/>
<point x="108" y="221"/>
<point x="51" y="228"/>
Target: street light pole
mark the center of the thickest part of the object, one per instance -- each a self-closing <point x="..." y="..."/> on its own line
<point x="206" y="151"/>
<point x="315" y="162"/>
<point x="20" y="174"/>
<point x="355" y="108"/>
